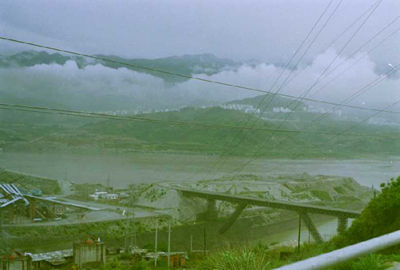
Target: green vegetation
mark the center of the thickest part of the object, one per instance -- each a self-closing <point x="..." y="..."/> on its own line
<point x="381" y="216"/>
<point x="241" y="259"/>
<point x="128" y="136"/>
<point x="256" y="258"/>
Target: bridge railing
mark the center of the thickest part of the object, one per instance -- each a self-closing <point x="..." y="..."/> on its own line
<point x="342" y="255"/>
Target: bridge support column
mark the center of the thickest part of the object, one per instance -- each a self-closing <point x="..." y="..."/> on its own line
<point x="32" y="209"/>
<point x="311" y="227"/>
<point x="342" y="224"/>
<point x="239" y="209"/>
<point x="211" y="212"/>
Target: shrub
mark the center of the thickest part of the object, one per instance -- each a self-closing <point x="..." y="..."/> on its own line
<point x="370" y="262"/>
<point x="241" y="259"/>
<point x="381" y="216"/>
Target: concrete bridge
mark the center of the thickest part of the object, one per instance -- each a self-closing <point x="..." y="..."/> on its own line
<point x="302" y="209"/>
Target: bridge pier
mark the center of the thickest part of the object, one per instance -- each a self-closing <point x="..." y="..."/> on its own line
<point x="311" y="227"/>
<point x="211" y="213"/>
<point x="32" y="209"/>
<point x="239" y="209"/>
<point x="342" y="224"/>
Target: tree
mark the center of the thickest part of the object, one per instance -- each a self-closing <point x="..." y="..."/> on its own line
<point x="381" y="216"/>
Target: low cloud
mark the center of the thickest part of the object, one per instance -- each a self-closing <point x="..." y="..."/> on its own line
<point x="99" y="88"/>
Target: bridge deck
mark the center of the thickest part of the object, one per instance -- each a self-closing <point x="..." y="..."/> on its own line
<point x="298" y="207"/>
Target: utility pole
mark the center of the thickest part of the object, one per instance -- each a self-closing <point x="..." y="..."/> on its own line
<point x="169" y="243"/>
<point x="299" y="234"/>
<point x="155" y="245"/>
<point x="191" y="243"/>
<point x="127" y="226"/>
<point x="204" y="239"/>
<point x="130" y="213"/>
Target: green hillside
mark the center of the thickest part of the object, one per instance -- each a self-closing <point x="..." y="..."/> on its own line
<point x="125" y="136"/>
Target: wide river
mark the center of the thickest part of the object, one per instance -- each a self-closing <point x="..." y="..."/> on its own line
<point x="123" y="169"/>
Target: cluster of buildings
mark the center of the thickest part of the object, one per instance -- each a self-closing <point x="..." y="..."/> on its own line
<point x="109" y="195"/>
<point x="91" y="252"/>
<point x="246" y="108"/>
<point x="104" y="195"/>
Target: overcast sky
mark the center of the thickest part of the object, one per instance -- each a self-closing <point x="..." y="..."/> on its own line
<point x="266" y="30"/>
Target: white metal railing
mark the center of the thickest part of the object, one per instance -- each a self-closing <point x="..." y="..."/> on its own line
<point x="345" y="254"/>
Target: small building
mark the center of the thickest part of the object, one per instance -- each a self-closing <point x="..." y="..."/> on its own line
<point x="89" y="251"/>
<point x="50" y="260"/>
<point x="15" y="261"/>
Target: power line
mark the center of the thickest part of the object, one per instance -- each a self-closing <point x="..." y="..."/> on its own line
<point x="334" y="135"/>
<point x="183" y="75"/>
<point x="271" y="98"/>
<point x="365" y="120"/>
<point x="335" y="58"/>
<point x="37" y="109"/>
<point x="334" y="40"/>
<point x="337" y="38"/>
<point x="213" y="81"/>
<point x="340" y="51"/>
<point x="358" y="93"/>
<point x="305" y="93"/>
<point x="369" y="85"/>
<point x="370" y="10"/>
<point x="358" y="60"/>
<point x="351" y="55"/>
<point x="360" y="48"/>
<point x="27" y="108"/>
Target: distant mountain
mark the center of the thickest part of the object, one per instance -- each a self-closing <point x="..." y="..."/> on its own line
<point x="186" y="65"/>
<point x="31" y="58"/>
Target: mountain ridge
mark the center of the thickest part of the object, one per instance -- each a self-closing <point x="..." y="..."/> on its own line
<point x="185" y="64"/>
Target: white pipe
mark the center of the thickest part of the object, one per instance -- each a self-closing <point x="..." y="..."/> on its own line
<point x="345" y="254"/>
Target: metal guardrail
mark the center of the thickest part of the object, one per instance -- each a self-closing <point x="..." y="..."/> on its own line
<point x="342" y="255"/>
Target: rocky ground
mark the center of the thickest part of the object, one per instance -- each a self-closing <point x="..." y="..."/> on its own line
<point x="333" y="191"/>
